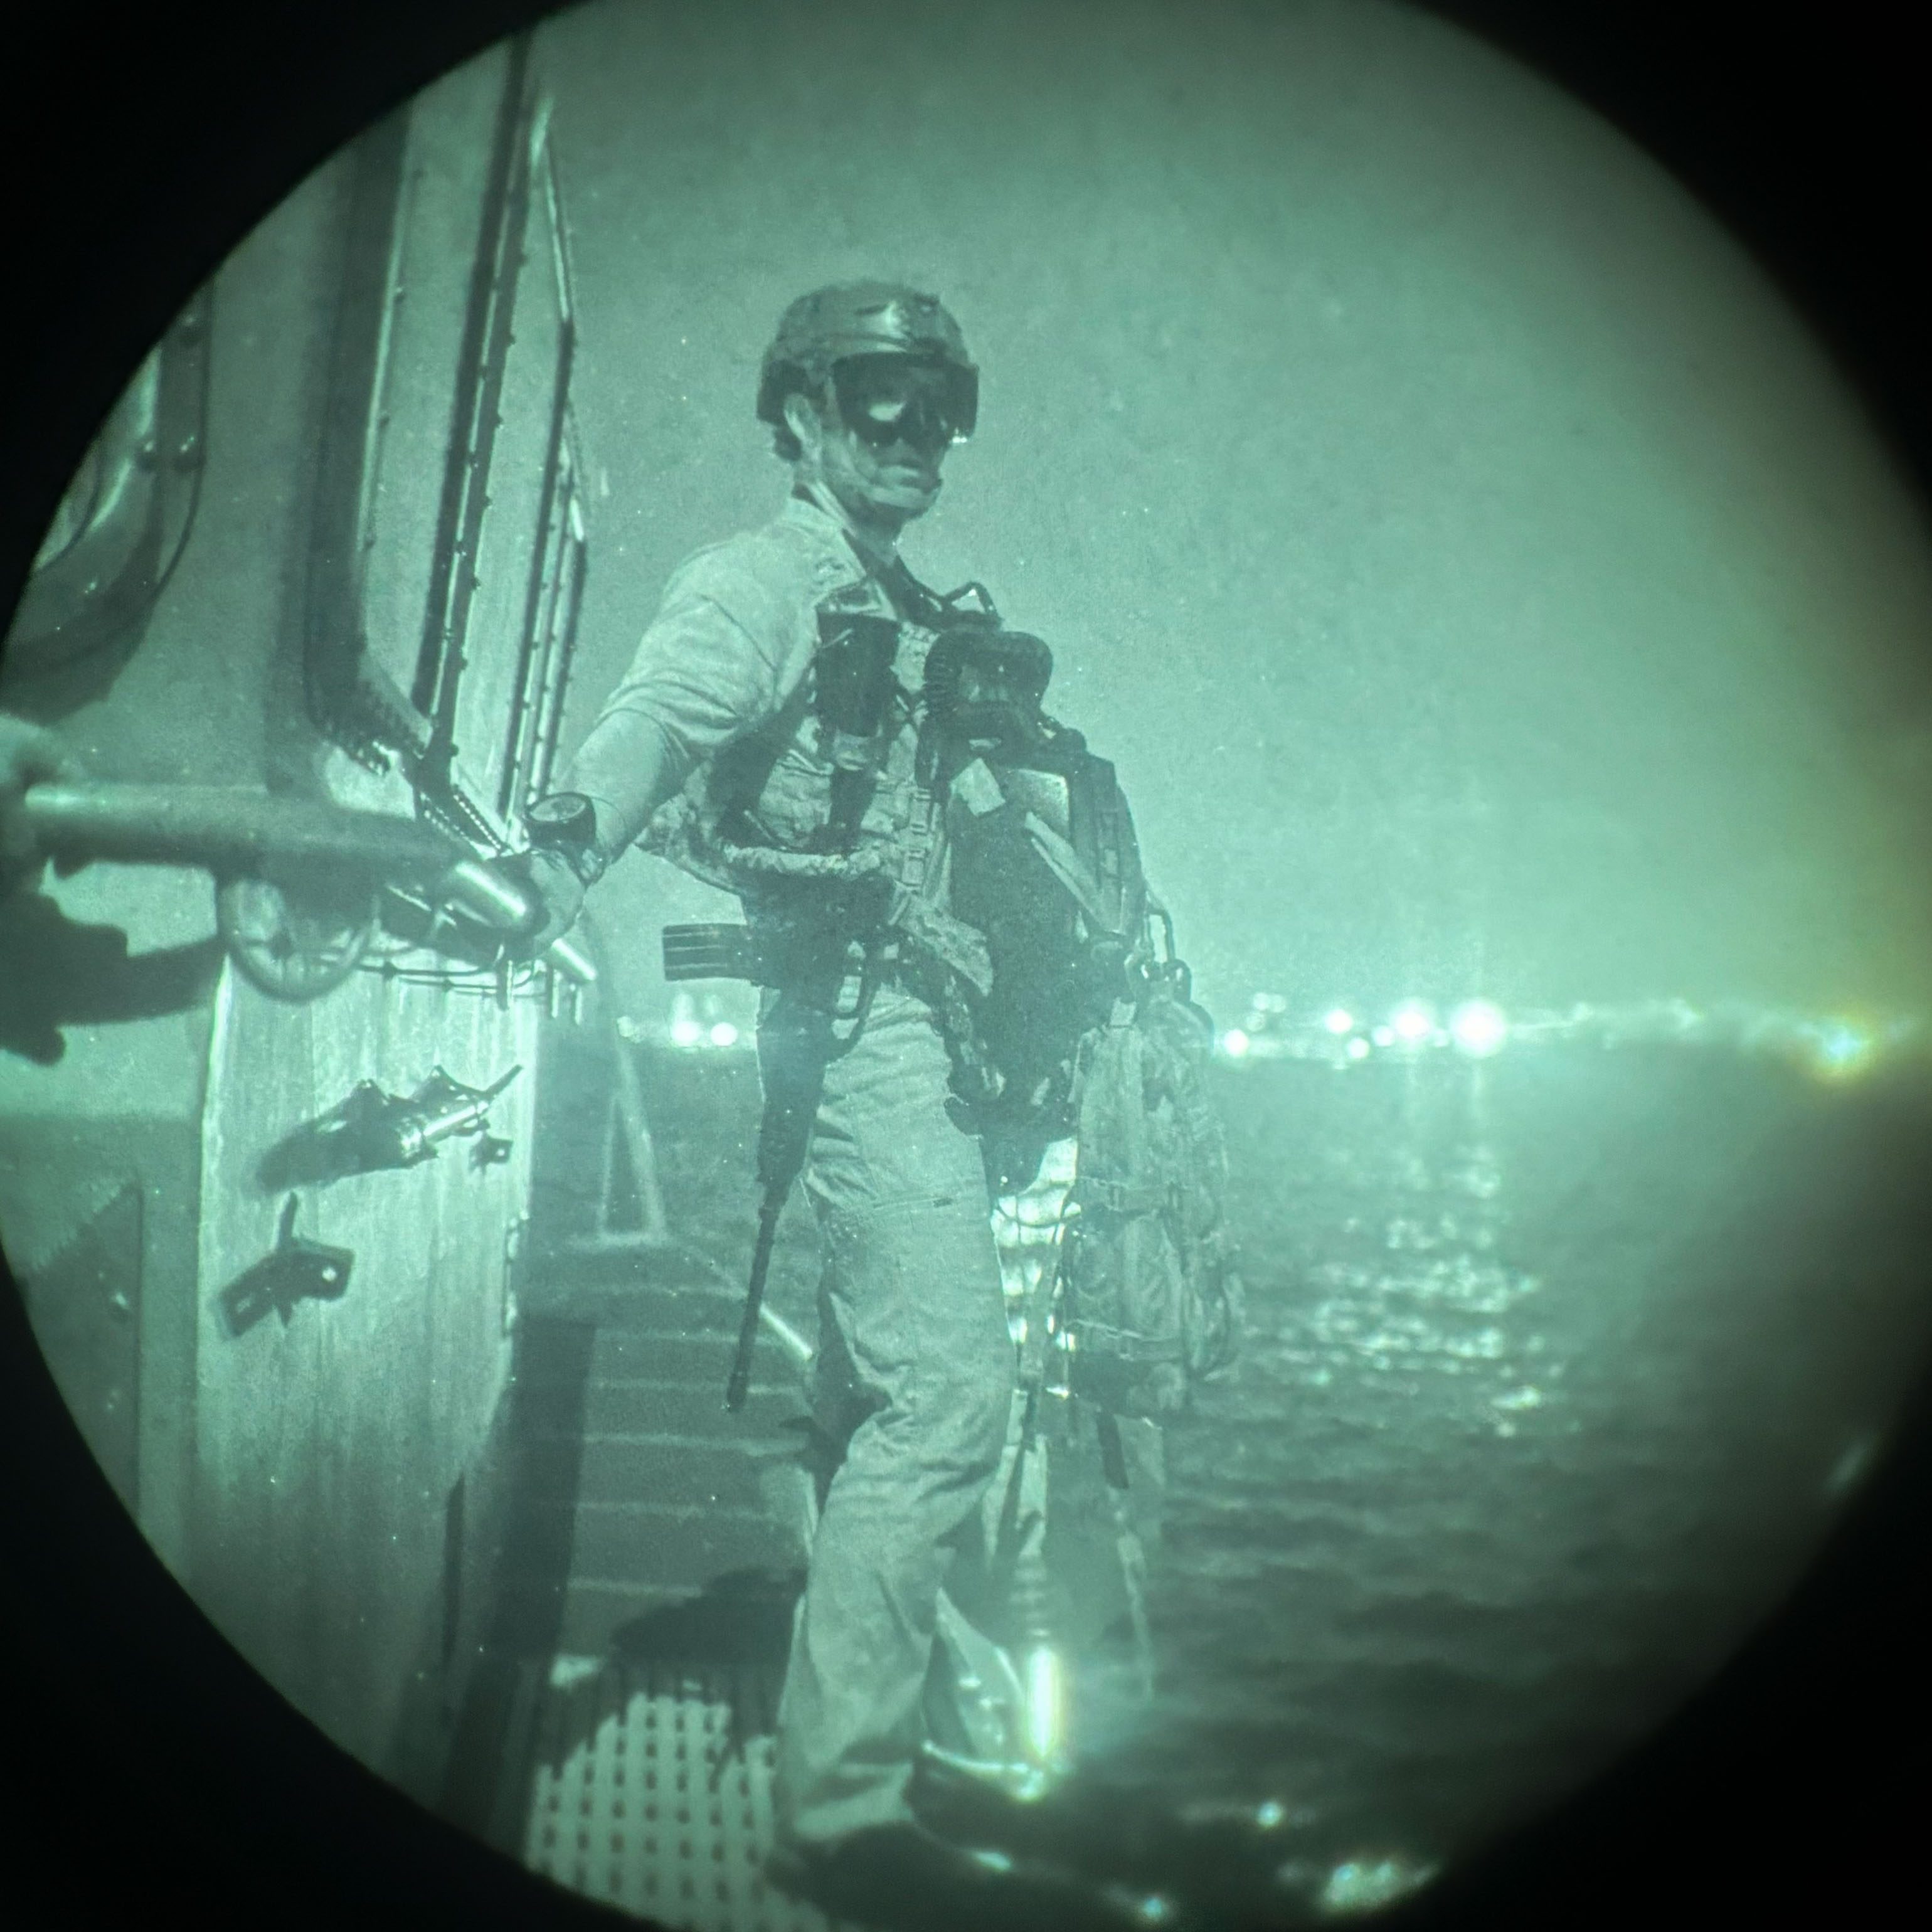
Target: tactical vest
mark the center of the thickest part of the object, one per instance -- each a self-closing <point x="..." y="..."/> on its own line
<point x="832" y="838"/>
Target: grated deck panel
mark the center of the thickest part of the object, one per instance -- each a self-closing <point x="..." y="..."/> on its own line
<point x="651" y="1792"/>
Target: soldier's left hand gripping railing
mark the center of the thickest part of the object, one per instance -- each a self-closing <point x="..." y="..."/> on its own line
<point x="302" y="885"/>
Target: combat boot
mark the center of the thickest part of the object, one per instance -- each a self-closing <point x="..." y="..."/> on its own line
<point x="903" y="1878"/>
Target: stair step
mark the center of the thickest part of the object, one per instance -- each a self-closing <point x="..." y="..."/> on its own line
<point x="651" y="1466"/>
<point x="595" y="1613"/>
<point x="667" y="1355"/>
<point x="682" y="1545"/>
<point x="649" y="1405"/>
<point x="622" y="1288"/>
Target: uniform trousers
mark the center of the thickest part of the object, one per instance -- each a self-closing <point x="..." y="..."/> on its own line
<point x="915" y="1373"/>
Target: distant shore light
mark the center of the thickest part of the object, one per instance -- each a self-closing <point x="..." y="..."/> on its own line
<point x="1234" y="1043"/>
<point x="1842" y="1049"/>
<point x="1339" y="1020"/>
<point x="1413" y="1022"/>
<point x="1478" y="1028"/>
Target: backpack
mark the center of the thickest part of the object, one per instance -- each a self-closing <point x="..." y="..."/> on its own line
<point x="1074" y="1026"/>
<point x="1153" y="1302"/>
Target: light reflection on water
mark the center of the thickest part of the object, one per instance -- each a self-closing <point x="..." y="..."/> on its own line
<point x="1555" y="1364"/>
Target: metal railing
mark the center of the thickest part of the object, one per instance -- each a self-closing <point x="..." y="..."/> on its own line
<point x="301" y="847"/>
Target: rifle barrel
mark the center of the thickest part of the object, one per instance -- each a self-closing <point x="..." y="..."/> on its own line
<point x="739" y="1384"/>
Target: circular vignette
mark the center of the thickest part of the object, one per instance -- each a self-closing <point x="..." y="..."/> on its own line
<point x="1845" y="1640"/>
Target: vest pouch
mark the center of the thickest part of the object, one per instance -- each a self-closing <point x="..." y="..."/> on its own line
<point x="852" y="680"/>
<point x="852" y="672"/>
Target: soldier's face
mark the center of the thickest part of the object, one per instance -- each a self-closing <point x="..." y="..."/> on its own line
<point x="897" y="479"/>
<point x="878" y="446"/>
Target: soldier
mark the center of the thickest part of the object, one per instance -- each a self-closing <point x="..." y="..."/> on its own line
<point x="809" y="800"/>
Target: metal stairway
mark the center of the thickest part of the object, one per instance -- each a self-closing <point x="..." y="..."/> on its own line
<point x="655" y="1550"/>
<point x="656" y="1492"/>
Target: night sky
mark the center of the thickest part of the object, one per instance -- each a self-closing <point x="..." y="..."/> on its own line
<point x="1481" y="582"/>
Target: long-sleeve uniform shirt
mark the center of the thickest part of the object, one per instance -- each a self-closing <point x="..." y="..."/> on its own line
<point x="916" y="1361"/>
<point x="719" y="694"/>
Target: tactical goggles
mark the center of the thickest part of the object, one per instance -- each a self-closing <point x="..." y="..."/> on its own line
<point x="884" y="400"/>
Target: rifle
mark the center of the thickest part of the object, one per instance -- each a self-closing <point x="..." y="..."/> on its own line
<point x="792" y="1059"/>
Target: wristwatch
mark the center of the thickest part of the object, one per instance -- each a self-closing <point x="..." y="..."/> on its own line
<point x="565" y="823"/>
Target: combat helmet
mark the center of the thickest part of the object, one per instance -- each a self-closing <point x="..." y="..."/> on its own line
<point x="854" y="319"/>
